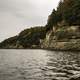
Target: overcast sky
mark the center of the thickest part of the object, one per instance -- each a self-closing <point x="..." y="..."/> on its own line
<point x="16" y="15"/>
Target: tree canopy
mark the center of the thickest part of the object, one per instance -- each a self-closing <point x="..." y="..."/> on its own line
<point x="67" y="11"/>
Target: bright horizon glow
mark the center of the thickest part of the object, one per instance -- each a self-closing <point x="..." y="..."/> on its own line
<point x="16" y="15"/>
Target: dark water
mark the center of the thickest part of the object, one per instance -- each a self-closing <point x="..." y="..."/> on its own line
<point x="38" y="65"/>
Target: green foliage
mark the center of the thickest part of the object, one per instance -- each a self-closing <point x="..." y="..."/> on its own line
<point x="31" y="36"/>
<point x="27" y="38"/>
<point x="71" y="12"/>
<point x="67" y="11"/>
<point x="8" y="41"/>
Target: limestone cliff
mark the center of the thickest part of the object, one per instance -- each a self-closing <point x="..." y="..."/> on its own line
<point x="62" y="31"/>
<point x="63" y="27"/>
<point x="63" y="38"/>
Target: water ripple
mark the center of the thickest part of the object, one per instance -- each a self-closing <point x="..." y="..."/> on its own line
<point x="39" y="65"/>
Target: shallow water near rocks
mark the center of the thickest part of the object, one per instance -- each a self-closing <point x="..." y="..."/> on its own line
<point x="38" y="64"/>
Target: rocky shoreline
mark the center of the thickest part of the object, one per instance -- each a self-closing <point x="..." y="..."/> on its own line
<point x="63" y="39"/>
<point x="62" y="31"/>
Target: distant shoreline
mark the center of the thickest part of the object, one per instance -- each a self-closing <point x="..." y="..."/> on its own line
<point x="40" y="49"/>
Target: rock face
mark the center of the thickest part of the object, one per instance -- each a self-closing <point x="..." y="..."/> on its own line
<point x="62" y="31"/>
<point x="63" y="38"/>
<point x="63" y="27"/>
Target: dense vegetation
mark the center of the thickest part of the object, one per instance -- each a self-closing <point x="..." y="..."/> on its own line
<point x="9" y="41"/>
<point x="67" y="13"/>
<point x="28" y="38"/>
<point x="31" y="36"/>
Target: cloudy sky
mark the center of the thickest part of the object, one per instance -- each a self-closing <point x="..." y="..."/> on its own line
<point x="16" y="15"/>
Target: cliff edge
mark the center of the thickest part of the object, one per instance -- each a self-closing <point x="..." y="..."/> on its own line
<point x="62" y="31"/>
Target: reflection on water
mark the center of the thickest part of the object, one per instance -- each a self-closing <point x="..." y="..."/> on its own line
<point x="38" y="65"/>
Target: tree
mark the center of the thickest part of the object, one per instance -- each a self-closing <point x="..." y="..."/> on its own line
<point x="67" y="11"/>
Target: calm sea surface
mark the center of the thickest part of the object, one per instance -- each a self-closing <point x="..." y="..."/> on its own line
<point x="38" y="65"/>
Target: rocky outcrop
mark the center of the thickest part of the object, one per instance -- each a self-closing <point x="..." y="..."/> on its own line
<point x="62" y="31"/>
<point x="63" y="38"/>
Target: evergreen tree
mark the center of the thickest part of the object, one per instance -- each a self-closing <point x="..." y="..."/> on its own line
<point x="68" y="11"/>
